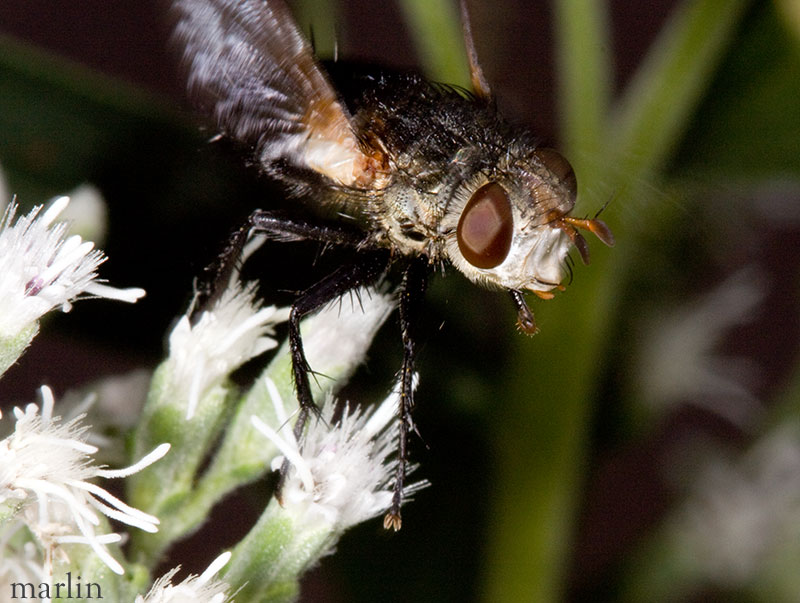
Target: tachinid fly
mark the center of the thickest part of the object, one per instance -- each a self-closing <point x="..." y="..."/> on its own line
<point x="427" y="174"/>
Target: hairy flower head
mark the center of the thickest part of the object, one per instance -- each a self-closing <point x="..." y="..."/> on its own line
<point x="343" y="472"/>
<point x="42" y="268"/>
<point x="194" y="589"/>
<point x="203" y="351"/>
<point x="45" y="468"/>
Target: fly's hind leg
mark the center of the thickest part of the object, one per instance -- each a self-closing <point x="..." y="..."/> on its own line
<point x="366" y="270"/>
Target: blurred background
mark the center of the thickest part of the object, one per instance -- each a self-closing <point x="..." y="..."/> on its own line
<point x="645" y="445"/>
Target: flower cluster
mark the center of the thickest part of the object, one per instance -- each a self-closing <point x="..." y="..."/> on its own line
<point x="205" y="351"/>
<point x="43" y="267"/>
<point x="55" y="518"/>
<point x="46" y="470"/>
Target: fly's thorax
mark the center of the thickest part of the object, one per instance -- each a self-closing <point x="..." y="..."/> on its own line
<point x="504" y="228"/>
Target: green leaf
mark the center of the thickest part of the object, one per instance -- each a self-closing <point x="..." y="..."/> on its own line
<point x="749" y="125"/>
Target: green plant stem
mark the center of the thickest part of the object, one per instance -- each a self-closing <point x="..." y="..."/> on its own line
<point x="166" y="488"/>
<point x="243" y="456"/>
<point x="11" y="348"/>
<point x="267" y="564"/>
<point x="654" y="112"/>
<point x="582" y="61"/>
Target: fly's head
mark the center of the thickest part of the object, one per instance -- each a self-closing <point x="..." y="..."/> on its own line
<point x="512" y="228"/>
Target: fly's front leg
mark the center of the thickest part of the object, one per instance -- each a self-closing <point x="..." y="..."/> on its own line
<point x="217" y="276"/>
<point x="415" y="281"/>
<point x="366" y="270"/>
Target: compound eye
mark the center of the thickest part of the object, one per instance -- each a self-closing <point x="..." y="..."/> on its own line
<point x="560" y="168"/>
<point x="486" y="227"/>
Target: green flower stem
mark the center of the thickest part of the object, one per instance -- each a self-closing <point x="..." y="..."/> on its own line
<point x="11" y="348"/>
<point x="165" y="487"/>
<point x="85" y="567"/>
<point x="541" y="437"/>
<point x="583" y="48"/>
<point x="436" y="31"/>
<point x="243" y="456"/>
<point x="267" y="564"/>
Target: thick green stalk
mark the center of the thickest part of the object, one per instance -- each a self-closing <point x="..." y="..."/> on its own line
<point x="582" y="62"/>
<point x="267" y="564"/>
<point x="654" y="112"/>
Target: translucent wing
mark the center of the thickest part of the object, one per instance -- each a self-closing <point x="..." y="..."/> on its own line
<point x="251" y="67"/>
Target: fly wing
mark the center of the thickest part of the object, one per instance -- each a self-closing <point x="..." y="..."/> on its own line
<point x="250" y="66"/>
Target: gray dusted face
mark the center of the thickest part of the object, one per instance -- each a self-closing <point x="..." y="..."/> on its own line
<point x="514" y="229"/>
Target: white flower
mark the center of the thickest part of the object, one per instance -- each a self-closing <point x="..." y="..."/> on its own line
<point x="20" y="560"/>
<point x="45" y="468"/>
<point x="343" y="472"/>
<point x="679" y="362"/>
<point x="42" y="268"/>
<point x="225" y="336"/>
<point x="744" y="512"/>
<point x="337" y="338"/>
<point x="194" y="589"/>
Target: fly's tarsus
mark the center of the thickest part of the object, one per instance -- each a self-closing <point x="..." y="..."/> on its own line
<point x="525" y="320"/>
